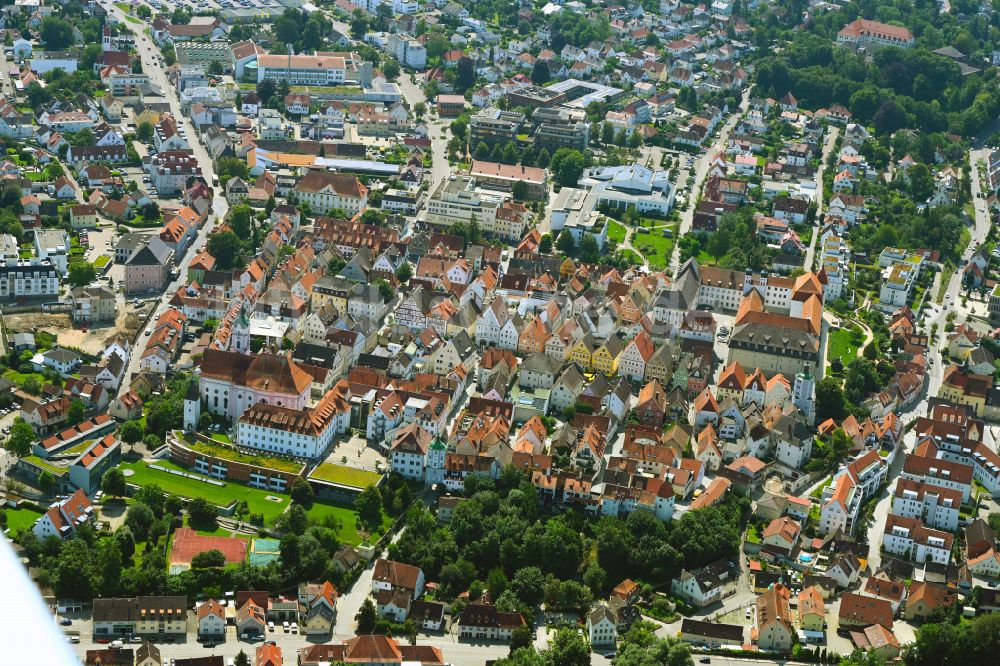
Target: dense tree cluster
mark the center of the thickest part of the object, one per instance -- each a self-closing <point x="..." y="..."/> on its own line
<point x="955" y="641"/>
<point x="498" y="540"/>
<point x="895" y="88"/>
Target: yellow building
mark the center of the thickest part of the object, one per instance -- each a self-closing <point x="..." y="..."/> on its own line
<point x="605" y="358"/>
<point x="963" y="388"/>
<point x="332" y="289"/>
<point x="582" y="351"/>
<point x="812" y="612"/>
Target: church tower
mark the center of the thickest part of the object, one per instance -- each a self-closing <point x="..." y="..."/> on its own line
<point x="192" y="406"/>
<point x="240" y="337"/>
<point x="804" y="394"/>
<point x="106" y="43"/>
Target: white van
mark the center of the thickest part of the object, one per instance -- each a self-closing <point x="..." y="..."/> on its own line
<point x="116" y="645"/>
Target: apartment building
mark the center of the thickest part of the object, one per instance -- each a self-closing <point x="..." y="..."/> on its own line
<point x="324" y="192"/>
<point x="171" y="170"/>
<point x="911" y="539"/>
<point x="28" y="278"/>
<point x="493" y="126"/>
<point x="147" y="616"/>
<point x="861" y="32"/>
<point x="303" y="70"/>
<point x="498" y="176"/>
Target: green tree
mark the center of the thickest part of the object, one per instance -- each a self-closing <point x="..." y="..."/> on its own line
<point x="82" y="273"/>
<point x="46" y="482"/>
<point x="230" y="167"/>
<point x="390" y="68"/>
<point x="302" y="493"/>
<point x="241" y="221"/>
<point x="138" y="518"/>
<point x="202" y="514"/>
<point x="368" y="504"/>
<point x="241" y="659"/>
<point x="359" y="24"/>
<point x="404" y="272"/>
<point x="520" y="190"/>
<point x="266" y="90"/>
<point x="366" y="617"/>
<point x="131" y="432"/>
<point x="113" y="483"/>
<point x="545" y="244"/>
<point x="56" y="33"/>
<point x="540" y="73"/>
<point x="75" y="413"/>
<point x="144" y="131"/>
<point x="921" y="182"/>
<point x="566" y="244"/>
<point x="22" y="436"/>
<point x="718" y="244"/>
<point x="227" y="249"/>
<point x="567" y="165"/>
<point x="465" y="74"/>
<point x="568" y="648"/>
<point x="209" y="559"/>
<point x="528" y="585"/>
<point x="589" y="250"/>
<point x="385" y="290"/>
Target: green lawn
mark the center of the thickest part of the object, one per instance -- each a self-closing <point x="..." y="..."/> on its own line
<point x="347" y="516"/>
<point x="347" y="476"/>
<point x="44" y="464"/>
<point x="818" y="492"/>
<point x="844" y="343"/>
<point x="18" y="518"/>
<point x="632" y="257"/>
<point x="655" y="247"/>
<point x="256" y="500"/>
<point x="752" y="535"/>
<point x="102" y="261"/>
<point x="229" y="453"/>
<point x="616" y="231"/>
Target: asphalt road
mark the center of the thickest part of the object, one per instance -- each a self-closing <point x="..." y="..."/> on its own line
<point x="148" y="52"/>
<point x="933" y="316"/>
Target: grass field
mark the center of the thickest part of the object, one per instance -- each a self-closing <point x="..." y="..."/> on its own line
<point x="348" y="517"/>
<point x="347" y="476"/>
<point x="632" y="257"/>
<point x="844" y="344"/>
<point x="655" y="247"/>
<point x="102" y="261"/>
<point x="228" y="453"/>
<point x="616" y="231"/>
<point x="256" y="500"/>
<point x="18" y="518"/>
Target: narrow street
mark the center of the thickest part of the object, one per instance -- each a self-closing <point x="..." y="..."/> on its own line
<point x="933" y="316"/>
<point x="828" y="144"/>
<point x="701" y="171"/>
<point x="148" y="52"/>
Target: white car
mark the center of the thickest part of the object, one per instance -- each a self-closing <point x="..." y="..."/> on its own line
<point x="149" y="331"/>
<point x="295" y="627"/>
<point x="284" y="625"/>
<point x="270" y="626"/>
